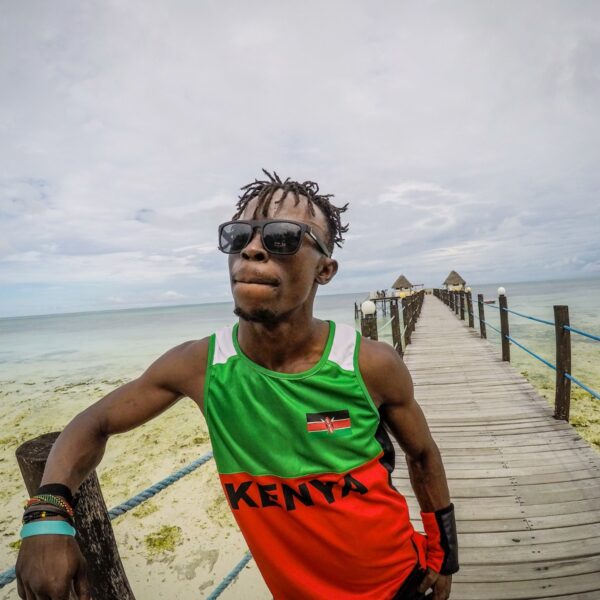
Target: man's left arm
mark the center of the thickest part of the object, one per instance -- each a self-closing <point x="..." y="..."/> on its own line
<point x="391" y="388"/>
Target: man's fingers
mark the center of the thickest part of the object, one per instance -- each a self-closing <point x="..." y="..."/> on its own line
<point x="428" y="581"/>
<point x="20" y="589"/>
<point x="441" y="588"/>
<point x="81" y="583"/>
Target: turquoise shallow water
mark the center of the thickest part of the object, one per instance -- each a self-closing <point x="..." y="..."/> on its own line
<point x="113" y="343"/>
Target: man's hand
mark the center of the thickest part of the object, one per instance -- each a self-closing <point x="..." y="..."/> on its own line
<point x="49" y="567"/>
<point x="439" y="583"/>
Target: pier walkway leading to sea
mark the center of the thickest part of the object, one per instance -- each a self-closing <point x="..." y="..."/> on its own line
<point x="526" y="487"/>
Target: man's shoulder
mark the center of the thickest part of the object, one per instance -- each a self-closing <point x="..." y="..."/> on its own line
<point x="190" y="356"/>
<point x="377" y="356"/>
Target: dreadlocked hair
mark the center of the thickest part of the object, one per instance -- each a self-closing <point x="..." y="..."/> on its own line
<point x="264" y="191"/>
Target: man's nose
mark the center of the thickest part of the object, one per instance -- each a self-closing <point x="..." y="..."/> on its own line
<point x="255" y="249"/>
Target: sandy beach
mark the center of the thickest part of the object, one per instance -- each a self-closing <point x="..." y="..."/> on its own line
<point x="181" y="543"/>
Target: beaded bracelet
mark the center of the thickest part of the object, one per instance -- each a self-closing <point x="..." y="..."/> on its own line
<point x="50" y="499"/>
<point x="37" y="515"/>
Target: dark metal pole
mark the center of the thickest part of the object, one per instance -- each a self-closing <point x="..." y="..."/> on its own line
<point x="504" y="327"/>
<point x="562" y="399"/>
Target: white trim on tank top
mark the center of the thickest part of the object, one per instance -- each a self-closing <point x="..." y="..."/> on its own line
<point x="342" y="349"/>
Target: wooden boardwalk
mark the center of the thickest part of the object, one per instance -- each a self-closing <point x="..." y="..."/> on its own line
<point x="526" y="487"/>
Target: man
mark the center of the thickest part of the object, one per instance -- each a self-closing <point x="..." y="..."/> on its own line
<point x="293" y="407"/>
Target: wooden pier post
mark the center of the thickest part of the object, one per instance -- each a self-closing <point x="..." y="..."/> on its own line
<point x="94" y="531"/>
<point x="562" y="399"/>
<point x="407" y="319"/>
<point x="396" y="331"/>
<point x="368" y="320"/>
<point x="470" y="310"/>
<point x="461" y="295"/>
<point x="502" y="303"/>
<point x="480" y="304"/>
<point x="450" y="300"/>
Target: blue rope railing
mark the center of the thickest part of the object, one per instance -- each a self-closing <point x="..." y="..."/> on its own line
<point x="547" y="363"/>
<point x="514" y="312"/>
<point x="146" y="494"/>
<point x="591" y="336"/>
<point x="10" y="575"/>
<point x="588" y="335"/>
<point x="491" y="327"/>
<point x="583" y="386"/>
<point x="230" y="577"/>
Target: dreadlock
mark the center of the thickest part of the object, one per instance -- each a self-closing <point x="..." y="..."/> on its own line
<point x="264" y="191"/>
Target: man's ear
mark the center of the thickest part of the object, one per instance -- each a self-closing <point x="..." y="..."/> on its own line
<point x="326" y="270"/>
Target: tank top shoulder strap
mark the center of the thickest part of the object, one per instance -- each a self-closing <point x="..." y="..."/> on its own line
<point x="223" y="346"/>
<point x="344" y="347"/>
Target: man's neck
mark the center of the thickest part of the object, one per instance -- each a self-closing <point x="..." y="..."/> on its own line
<point x="290" y="346"/>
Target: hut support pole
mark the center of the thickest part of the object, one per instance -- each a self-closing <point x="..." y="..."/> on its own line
<point x="504" y="327"/>
<point x="562" y="400"/>
<point x="94" y="531"/>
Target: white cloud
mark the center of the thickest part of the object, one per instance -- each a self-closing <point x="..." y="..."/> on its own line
<point x="463" y="136"/>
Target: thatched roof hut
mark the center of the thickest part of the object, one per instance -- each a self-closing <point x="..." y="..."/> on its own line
<point x="454" y="279"/>
<point x="402" y="283"/>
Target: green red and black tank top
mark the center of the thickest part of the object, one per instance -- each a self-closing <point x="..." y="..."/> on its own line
<point x="305" y="464"/>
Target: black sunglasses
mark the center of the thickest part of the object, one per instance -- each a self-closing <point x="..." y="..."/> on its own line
<point x="278" y="236"/>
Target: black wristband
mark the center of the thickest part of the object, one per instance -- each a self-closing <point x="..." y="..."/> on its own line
<point x="448" y="539"/>
<point x="57" y="489"/>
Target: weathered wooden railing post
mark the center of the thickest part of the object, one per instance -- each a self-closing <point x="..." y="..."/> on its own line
<point x="480" y="305"/>
<point x="396" y="331"/>
<point x="502" y="303"/>
<point x="462" y="304"/>
<point x="562" y="399"/>
<point x="450" y="300"/>
<point x="456" y="303"/>
<point x="407" y="320"/>
<point x="94" y="532"/>
<point x="470" y="309"/>
<point x="368" y="321"/>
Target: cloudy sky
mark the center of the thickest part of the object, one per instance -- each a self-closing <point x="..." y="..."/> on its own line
<point x="464" y="135"/>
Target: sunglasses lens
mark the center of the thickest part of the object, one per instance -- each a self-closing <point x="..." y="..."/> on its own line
<point x="282" y="237"/>
<point x="234" y="237"/>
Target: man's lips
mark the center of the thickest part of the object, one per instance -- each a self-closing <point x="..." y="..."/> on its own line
<point x="256" y="281"/>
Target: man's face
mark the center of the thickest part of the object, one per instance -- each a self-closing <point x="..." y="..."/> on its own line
<point x="267" y="287"/>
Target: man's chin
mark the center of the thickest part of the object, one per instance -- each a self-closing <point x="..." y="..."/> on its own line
<point x="265" y="316"/>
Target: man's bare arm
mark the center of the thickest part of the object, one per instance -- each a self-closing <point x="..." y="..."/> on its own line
<point x="80" y="447"/>
<point x="391" y="388"/>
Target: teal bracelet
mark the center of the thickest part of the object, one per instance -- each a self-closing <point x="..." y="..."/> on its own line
<point x="47" y="528"/>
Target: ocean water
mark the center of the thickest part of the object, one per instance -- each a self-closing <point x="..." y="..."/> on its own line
<point x="82" y="345"/>
<point x="113" y="344"/>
